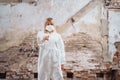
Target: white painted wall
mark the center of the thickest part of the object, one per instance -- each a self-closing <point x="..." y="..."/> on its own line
<point x="89" y="24"/>
<point x="17" y="20"/>
<point x="114" y="29"/>
<point x="35" y="15"/>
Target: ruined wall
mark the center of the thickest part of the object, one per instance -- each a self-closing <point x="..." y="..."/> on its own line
<point x="79" y="23"/>
<point x="20" y="17"/>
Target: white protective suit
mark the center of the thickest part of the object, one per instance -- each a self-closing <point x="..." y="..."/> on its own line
<point x="51" y="56"/>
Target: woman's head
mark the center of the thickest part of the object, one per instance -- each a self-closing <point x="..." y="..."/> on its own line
<point x="49" y="21"/>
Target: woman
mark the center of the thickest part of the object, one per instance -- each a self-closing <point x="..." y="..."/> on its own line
<point x="52" y="54"/>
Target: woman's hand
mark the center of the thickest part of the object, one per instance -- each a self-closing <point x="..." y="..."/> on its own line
<point x="62" y="67"/>
<point x="46" y="38"/>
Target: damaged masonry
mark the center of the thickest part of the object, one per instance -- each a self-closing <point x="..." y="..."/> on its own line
<point x="89" y="29"/>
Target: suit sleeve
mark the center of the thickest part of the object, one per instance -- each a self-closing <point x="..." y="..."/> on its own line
<point x="40" y="37"/>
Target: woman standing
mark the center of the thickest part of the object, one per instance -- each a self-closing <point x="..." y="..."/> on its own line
<point x="51" y="54"/>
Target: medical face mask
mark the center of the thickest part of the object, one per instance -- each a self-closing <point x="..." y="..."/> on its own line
<point x="50" y="28"/>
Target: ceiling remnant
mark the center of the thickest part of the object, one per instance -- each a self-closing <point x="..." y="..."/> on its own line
<point x="112" y="4"/>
